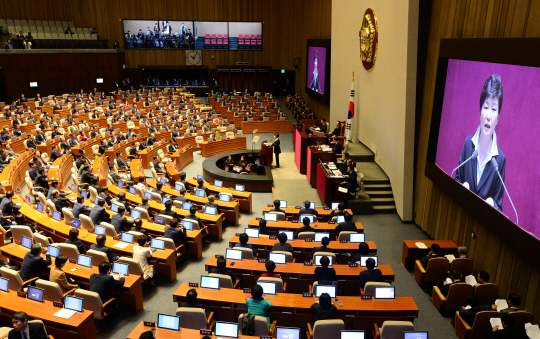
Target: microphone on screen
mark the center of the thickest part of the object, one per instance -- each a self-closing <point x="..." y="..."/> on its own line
<point x="474" y="155"/>
<point x="496" y="166"/>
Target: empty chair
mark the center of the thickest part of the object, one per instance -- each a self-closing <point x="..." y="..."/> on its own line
<point x="323" y="329"/>
<point x="15" y="281"/>
<point x="369" y="288"/>
<point x="280" y="216"/>
<point x="169" y="244"/>
<point x="306" y="235"/>
<point x="74" y="36"/>
<point x="392" y="329"/>
<point x="68" y="216"/>
<point x="17" y="232"/>
<point x="97" y="257"/>
<point x="43" y="240"/>
<point x="52" y="291"/>
<point x="480" y="329"/>
<point x="86" y="222"/>
<point x="195" y="318"/>
<point x="92" y="302"/>
<point x="281" y="287"/>
<point x="69" y="250"/>
<point x="260" y="326"/>
<point x="345" y="235"/>
<point x="457" y="297"/>
<point x="436" y="270"/>
<point x="288" y="255"/>
<point x="110" y="231"/>
<point x="225" y="281"/>
<point x="135" y="268"/>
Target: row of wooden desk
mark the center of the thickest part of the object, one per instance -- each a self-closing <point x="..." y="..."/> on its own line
<point x="244" y="198"/>
<point x="277" y="226"/>
<point x="294" y="212"/>
<point x="222" y="146"/>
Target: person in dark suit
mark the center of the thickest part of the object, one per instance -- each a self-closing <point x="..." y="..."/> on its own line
<point x="137" y="227"/>
<point x="352" y="181"/>
<point x="174" y="232"/>
<point x="87" y="177"/>
<point x="324" y="248"/>
<point x="211" y="203"/>
<point x="54" y="153"/>
<point x="339" y="212"/>
<point x="79" y="208"/>
<point x="348" y="225"/>
<point x="7" y="206"/>
<point x="325" y="275"/>
<point x="304" y="228"/>
<point x="103" y="283"/>
<point x="222" y="269"/>
<point x="100" y="246"/>
<point x="469" y="314"/>
<point x="307" y="209"/>
<point x="277" y="148"/>
<point x="64" y="145"/>
<point x="200" y="186"/>
<point x="102" y="147"/>
<point x="21" y="325"/>
<point x="337" y="146"/>
<point x="509" y="331"/>
<point x="337" y="131"/>
<point x="98" y="212"/>
<point x="192" y="216"/>
<point x="434" y="253"/>
<point x="60" y="202"/>
<point x="324" y="309"/>
<point x="262" y="228"/>
<point x="514" y="300"/>
<point x="168" y="211"/>
<point x="478" y="174"/>
<point x="33" y="263"/>
<point x="104" y="194"/>
<point x="372" y="274"/>
<point x="42" y="179"/>
<point x="120" y="222"/>
<point x="191" y="297"/>
<point x="74" y="240"/>
<point x="144" y="205"/>
<point x="344" y="164"/>
<point x="455" y="276"/>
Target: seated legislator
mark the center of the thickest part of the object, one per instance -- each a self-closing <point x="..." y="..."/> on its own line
<point x="100" y="246"/>
<point x="98" y="212"/>
<point x="174" y="232"/>
<point x="455" y="276"/>
<point x="270" y="267"/>
<point x="200" y="186"/>
<point x="191" y="298"/>
<point x="33" y="263"/>
<point x="282" y="245"/>
<point x="324" y="248"/>
<point x="262" y="228"/>
<point x="324" y="309"/>
<point x="325" y="275"/>
<point x="348" y="225"/>
<point x="304" y="228"/>
<point x="144" y="205"/>
<point x="372" y="274"/>
<point x="137" y="227"/>
<point x="141" y="253"/>
<point x="509" y="331"/>
<point x="192" y="216"/>
<point x="468" y="314"/>
<point x="59" y="276"/>
<point x="168" y="210"/>
<point x="74" y="240"/>
<point x="257" y="304"/>
<point x="478" y="175"/>
<point x="514" y="300"/>
<point x="307" y="209"/>
<point x="79" y="208"/>
<point x="434" y="253"/>
<point x="340" y="209"/>
<point x="7" y="206"/>
<point x="244" y="238"/>
<point x="121" y="198"/>
<point x="211" y="203"/>
<point x="23" y="330"/>
<point x="222" y="269"/>
<point x="277" y="207"/>
<point x="103" y="283"/>
<point x="121" y="223"/>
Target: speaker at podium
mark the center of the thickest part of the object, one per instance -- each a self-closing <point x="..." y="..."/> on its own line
<point x="266" y="155"/>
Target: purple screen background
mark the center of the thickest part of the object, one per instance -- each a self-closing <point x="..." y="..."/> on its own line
<point x="516" y="130"/>
<point x="321" y="66"/>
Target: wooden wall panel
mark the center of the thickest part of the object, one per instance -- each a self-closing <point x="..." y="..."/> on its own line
<point x="435" y="212"/>
<point x="286" y="27"/>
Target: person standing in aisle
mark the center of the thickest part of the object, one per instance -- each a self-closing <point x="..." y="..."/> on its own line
<point x="277" y="149"/>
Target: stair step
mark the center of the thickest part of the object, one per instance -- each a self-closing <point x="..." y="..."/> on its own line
<point x="379" y="194"/>
<point x="370" y="187"/>
<point x="383" y="201"/>
<point x="384" y="209"/>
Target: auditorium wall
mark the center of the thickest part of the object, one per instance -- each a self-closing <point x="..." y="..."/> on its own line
<point x="286" y="27"/>
<point x="385" y="96"/>
<point x="439" y="215"/>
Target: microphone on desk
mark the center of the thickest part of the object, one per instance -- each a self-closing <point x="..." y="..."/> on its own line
<point x="473" y="156"/>
<point x="496" y="166"/>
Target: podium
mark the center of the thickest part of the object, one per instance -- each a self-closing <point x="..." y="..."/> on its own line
<point x="266" y="154"/>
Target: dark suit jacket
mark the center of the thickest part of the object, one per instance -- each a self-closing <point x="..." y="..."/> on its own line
<point x="374" y="275"/>
<point x="320" y="249"/>
<point x="8" y="207"/>
<point x="104" y="284"/>
<point x="169" y="212"/>
<point x="490" y="185"/>
<point x="224" y="272"/>
<point x="470" y="314"/>
<point x="348" y="226"/>
<point x="86" y="177"/>
<point x="352" y="184"/>
<point x="120" y="223"/>
<point x="337" y="147"/>
<point x="42" y="181"/>
<point x="97" y="214"/>
<point x="32" y="265"/>
<point x="78" y="243"/>
<point x="308" y="211"/>
<point x="37" y="331"/>
<point x="424" y="260"/>
<point x="79" y="208"/>
<point x="107" y="250"/>
<point x="303" y="229"/>
<point x="60" y="203"/>
<point x="508" y="333"/>
<point x="106" y="197"/>
<point x="176" y="234"/>
<point x="277" y="148"/>
<point x="323" y="313"/>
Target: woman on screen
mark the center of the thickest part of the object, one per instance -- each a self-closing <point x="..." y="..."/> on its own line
<point x="315" y="78"/>
<point x="478" y="174"/>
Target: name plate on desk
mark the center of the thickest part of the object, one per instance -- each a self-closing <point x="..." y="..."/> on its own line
<point x="367" y="297"/>
<point x="332" y="222"/>
<point x="308" y="240"/>
<point x="17" y="242"/>
<point x="269" y="205"/>
<point x="343" y="241"/>
<point x="247" y="290"/>
<point x="326" y="208"/>
<point x="353" y="265"/>
<point x="308" y="263"/>
<point x="21" y="294"/>
<point x="72" y="261"/>
<point x="298" y="207"/>
<point x="262" y="260"/>
<point x="237" y="234"/>
<point x="272" y="237"/>
<point x="265" y="337"/>
<point x="149" y="323"/>
<point x="193" y="284"/>
<point x="258" y="218"/>
<point x="295" y="221"/>
<point x="57" y="304"/>
<point x="206" y="332"/>
<point x="219" y="256"/>
<point x="307" y="295"/>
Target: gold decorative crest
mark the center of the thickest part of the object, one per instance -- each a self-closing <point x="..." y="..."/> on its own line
<point x="368" y="39"/>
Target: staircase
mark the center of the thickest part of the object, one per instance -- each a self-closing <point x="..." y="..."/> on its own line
<point x="382" y="198"/>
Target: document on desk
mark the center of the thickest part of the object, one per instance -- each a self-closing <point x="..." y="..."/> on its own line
<point x="421" y="245"/>
<point x="121" y="245"/>
<point x="342" y="189"/>
<point x="65" y="313"/>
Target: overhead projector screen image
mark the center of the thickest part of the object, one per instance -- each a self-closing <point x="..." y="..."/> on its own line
<point x="488" y="136"/>
<point x="316" y="68"/>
